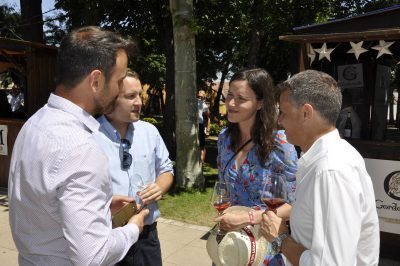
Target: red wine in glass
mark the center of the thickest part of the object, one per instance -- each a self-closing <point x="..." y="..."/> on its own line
<point x="274" y="193"/>
<point x="220" y="200"/>
<point x="221" y="206"/>
<point x="273" y="203"/>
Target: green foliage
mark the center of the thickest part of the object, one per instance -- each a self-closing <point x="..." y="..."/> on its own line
<point x="191" y="205"/>
<point x="156" y="121"/>
<point x="215" y="129"/>
<point x="150" y="120"/>
<point x="9" y="21"/>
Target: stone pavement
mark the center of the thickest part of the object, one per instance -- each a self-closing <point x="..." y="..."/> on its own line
<point x="181" y="244"/>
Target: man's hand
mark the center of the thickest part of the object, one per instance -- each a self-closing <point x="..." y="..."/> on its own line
<point x="272" y="226"/>
<point x="151" y="194"/>
<point x="138" y="219"/>
<point x="119" y="201"/>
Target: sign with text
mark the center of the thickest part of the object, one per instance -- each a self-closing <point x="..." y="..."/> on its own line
<point x="385" y="176"/>
<point x="350" y="76"/>
<point x="3" y="140"/>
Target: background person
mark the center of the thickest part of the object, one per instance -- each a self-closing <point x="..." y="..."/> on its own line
<point x="203" y="121"/>
<point x="139" y="165"/>
<point x="59" y="187"/>
<point x="251" y="111"/>
<point x="334" y="219"/>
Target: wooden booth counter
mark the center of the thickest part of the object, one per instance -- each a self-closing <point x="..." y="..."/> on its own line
<point x="9" y="129"/>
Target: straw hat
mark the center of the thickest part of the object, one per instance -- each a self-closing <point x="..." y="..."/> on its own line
<point x="238" y="248"/>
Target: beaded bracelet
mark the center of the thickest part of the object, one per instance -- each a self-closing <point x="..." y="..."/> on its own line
<point x="251" y="216"/>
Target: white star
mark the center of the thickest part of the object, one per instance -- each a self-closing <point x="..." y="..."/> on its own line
<point x="311" y="53"/>
<point x="357" y="49"/>
<point x="383" y="48"/>
<point x="324" y="52"/>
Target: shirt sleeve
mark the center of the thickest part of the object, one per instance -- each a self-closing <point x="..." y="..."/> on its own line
<point x="163" y="163"/>
<point x="84" y="204"/>
<point x="336" y="221"/>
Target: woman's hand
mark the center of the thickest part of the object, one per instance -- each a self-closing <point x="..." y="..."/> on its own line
<point x="234" y="218"/>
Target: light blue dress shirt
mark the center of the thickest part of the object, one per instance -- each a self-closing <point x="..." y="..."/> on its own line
<point x="149" y="159"/>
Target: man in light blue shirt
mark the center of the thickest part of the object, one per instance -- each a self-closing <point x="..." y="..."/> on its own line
<point x="139" y="165"/>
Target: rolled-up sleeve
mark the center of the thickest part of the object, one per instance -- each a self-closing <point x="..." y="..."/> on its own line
<point x="163" y="163"/>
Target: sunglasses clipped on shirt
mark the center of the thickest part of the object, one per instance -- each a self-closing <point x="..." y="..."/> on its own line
<point x="126" y="157"/>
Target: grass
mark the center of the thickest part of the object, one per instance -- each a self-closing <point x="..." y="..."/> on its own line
<point x="192" y="205"/>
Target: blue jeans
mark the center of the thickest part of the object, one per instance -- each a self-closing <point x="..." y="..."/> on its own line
<point x="146" y="251"/>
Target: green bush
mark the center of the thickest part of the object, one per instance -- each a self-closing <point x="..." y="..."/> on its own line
<point x="151" y="120"/>
<point x="215" y="129"/>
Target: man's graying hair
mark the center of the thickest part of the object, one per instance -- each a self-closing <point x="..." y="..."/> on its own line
<point x="87" y="49"/>
<point x="316" y="88"/>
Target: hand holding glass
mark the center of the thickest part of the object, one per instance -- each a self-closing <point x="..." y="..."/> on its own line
<point x="274" y="193"/>
<point x="220" y="200"/>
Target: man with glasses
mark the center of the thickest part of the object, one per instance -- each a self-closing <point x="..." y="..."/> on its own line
<point x="140" y="166"/>
<point x="60" y="192"/>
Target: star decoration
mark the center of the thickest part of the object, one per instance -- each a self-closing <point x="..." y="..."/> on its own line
<point x="357" y="49"/>
<point x="324" y="52"/>
<point x="383" y="48"/>
<point x="311" y="53"/>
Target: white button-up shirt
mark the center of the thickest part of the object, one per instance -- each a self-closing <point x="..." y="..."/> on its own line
<point x="334" y="214"/>
<point x="60" y="192"/>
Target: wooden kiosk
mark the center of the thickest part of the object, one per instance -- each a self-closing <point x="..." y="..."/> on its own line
<point x="34" y="65"/>
<point x="369" y="78"/>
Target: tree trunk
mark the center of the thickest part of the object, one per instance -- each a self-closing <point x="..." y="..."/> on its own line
<point x="188" y="165"/>
<point x="215" y="110"/>
<point x="169" y="108"/>
<point x="254" y="43"/>
<point x="32" y="20"/>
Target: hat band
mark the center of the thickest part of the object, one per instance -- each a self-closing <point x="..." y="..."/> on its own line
<point x="252" y="245"/>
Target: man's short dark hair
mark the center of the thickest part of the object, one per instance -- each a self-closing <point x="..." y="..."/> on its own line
<point x="85" y="50"/>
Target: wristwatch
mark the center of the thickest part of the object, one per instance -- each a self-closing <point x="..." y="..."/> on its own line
<point x="277" y="242"/>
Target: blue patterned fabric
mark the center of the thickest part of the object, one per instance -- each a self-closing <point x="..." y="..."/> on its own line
<point x="247" y="181"/>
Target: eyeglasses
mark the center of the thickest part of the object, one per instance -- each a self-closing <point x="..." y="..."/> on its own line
<point x="126" y="157"/>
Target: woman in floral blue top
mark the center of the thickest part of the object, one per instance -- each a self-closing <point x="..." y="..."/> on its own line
<point x="259" y="147"/>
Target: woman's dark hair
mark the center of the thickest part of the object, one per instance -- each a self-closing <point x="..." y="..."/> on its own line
<point x="85" y="50"/>
<point x="262" y="131"/>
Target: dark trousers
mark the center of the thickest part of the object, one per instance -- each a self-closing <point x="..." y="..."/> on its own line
<point x="146" y="251"/>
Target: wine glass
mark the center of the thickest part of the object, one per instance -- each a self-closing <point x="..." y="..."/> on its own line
<point x="141" y="185"/>
<point x="274" y="192"/>
<point x="220" y="200"/>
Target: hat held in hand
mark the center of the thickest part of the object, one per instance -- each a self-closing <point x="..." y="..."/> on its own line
<point x="238" y="248"/>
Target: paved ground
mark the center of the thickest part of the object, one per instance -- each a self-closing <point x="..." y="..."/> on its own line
<point x="182" y="244"/>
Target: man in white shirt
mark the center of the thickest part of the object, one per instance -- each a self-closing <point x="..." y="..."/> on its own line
<point x="60" y="192"/>
<point x="333" y="219"/>
<point x="203" y="119"/>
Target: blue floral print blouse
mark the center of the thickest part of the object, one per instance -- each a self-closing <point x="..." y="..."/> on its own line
<point x="247" y="181"/>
